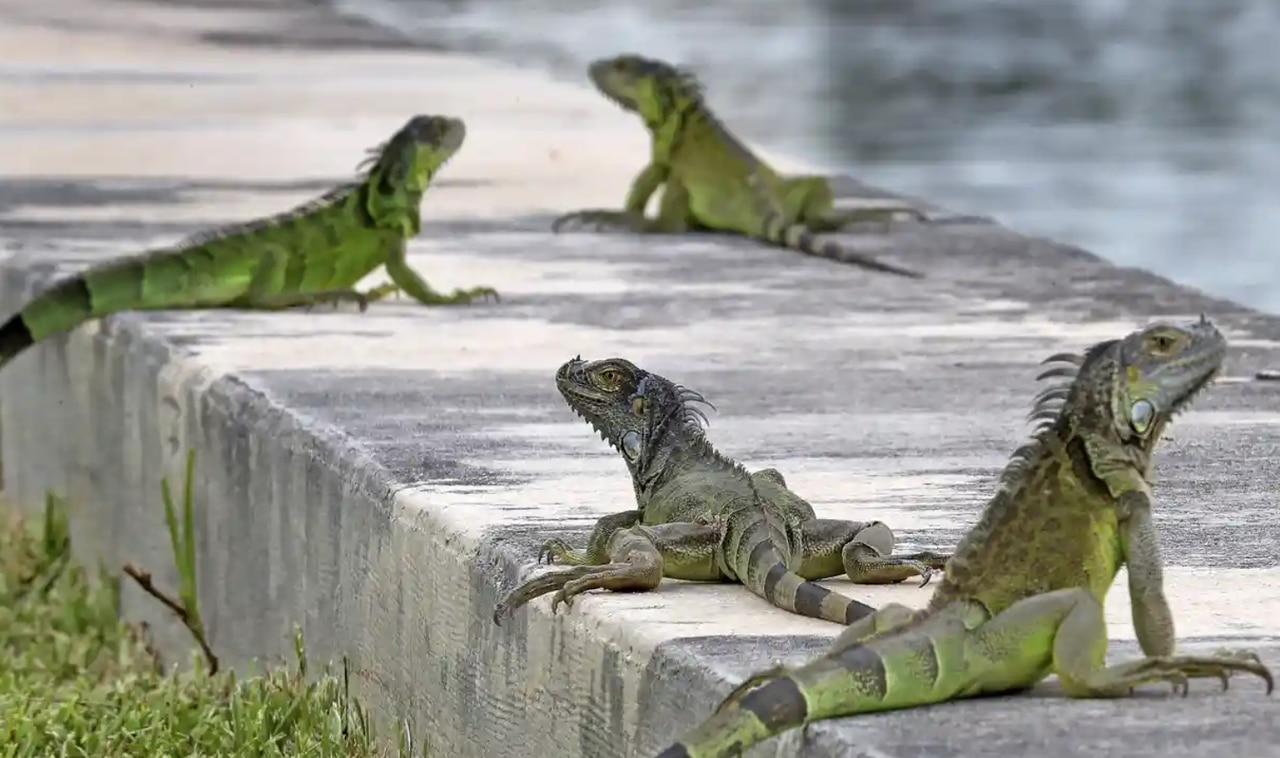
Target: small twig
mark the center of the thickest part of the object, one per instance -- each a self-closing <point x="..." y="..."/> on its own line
<point x="143" y="578"/>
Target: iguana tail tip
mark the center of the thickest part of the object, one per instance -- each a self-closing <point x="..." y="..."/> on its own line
<point x="14" y="338"/>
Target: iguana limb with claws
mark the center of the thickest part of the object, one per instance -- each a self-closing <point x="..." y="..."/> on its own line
<point x="1023" y="595"/>
<point x="315" y="253"/>
<point x="711" y="181"/>
<point x="701" y="516"/>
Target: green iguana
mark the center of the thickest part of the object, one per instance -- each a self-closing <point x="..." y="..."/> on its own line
<point x="700" y="516"/>
<point x="713" y="182"/>
<point x="1023" y="595"/>
<point x="315" y="253"/>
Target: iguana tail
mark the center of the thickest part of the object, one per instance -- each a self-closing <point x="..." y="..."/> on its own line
<point x="121" y="285"/>
<point x="893" y="671"/>
<point x="762" y="568"/>
<point x="798" y="237"/>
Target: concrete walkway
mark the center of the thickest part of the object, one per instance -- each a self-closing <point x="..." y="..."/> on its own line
<point x="381" y="478"/>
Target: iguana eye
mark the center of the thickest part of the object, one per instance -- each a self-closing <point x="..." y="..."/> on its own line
<point x="1141" y="414"/>
<point x="1162" y="343"/>
<point x="609" y="378"/>
<point x="631" y="445"/>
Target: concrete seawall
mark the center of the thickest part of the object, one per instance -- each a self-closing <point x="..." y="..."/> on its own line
<point x="381" y="478"/>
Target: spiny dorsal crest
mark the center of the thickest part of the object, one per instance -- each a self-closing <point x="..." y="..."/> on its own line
<point x="683" y="410"/>
<point x="1064" y="370"/>
<point x="332" y="197"/>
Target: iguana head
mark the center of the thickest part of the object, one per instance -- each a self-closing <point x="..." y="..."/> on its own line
<point x="645" y="86"/>
<point x="632" y="409"/>
<point x="408" y="160"/>
<point x="1127" y="390"/>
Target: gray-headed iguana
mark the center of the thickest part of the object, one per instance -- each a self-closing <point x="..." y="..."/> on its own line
<point x="1023" y="595"/>
<point x="315" y="253"/>
<point x="700" y="516"/>
<point x="711" y="181"/>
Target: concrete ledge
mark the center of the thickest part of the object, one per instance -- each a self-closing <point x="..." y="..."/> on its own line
<point x="380" y="478"/>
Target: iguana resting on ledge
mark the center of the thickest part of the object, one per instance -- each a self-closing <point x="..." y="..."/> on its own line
<point x="712" y="181"/>
<point x="700" y="516"/>
<point x="313" y="254"/>
<point x="1023" y="595"/>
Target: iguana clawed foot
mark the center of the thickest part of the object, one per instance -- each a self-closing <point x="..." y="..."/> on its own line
<point x="1179" y="670"/>
<point x="864" y="565"/>
<point x="552" y="581"/>
<point x="601" y="220"/>
<point x="475" y="293"/>
<point x="557" y="549"/>
<point x="641" y="571"/>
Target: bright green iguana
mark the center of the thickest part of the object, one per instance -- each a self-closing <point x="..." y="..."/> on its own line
<point x="700" y="516"/>
<point x="1023" y="596"/>
<point x="711" y="180"/>
<point x="315" y="253"/>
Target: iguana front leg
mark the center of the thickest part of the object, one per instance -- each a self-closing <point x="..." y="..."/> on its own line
<point x="597" y="551"/>
<point x="863" y="552"/>
<point x="1008" y="650"/>
<point x="407" y="280"/>
<point x="638" y="559"/>
<point x="1152" y="617"/>
<point x="809" y="201"/>
<point x="647" y="182"/>
<point x="674" y="215"/>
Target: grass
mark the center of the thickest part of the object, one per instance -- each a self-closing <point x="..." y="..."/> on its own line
<point x="75" y="680"/>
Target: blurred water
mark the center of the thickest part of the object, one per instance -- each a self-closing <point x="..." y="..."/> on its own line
<point x="1144" y="132"/>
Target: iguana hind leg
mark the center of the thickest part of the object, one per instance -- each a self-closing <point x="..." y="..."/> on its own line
<point x="638" y="559"/>
<point x="863" y="552"/>
<point x="1009" y="651"/>
<point x="809" y="200"/>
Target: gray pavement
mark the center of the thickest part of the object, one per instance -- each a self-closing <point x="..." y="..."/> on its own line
<point x="381" y="478"/>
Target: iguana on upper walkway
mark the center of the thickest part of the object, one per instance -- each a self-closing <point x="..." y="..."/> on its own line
<point x="700" y="516"/>
<point x="1023" y="595"/>
<point x="313" y="254"/>
<point x="713" y="182"/>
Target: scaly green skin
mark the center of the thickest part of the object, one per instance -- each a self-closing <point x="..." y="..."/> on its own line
<point x="1023" y="596"/>
<point x="712" y="181"/>
<point x="315" y="253"/>
<point x="700" y="516"/>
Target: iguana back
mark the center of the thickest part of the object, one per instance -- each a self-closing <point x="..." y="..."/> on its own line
<point x="311" y="254"/>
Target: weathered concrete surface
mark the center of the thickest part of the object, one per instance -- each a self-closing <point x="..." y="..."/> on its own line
<point x="379" y="478"/>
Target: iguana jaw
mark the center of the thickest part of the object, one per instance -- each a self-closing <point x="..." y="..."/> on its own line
<point x="633" y="82"/>
<point x="1155" y="374"/>
<point x="598" y="392"/>
<point x="444" y="134"/>
<point x="634" y="411"/>
<point x="1177" y="361"/>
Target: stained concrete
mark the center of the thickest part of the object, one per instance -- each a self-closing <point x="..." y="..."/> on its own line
<point x="380" y="478"/>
